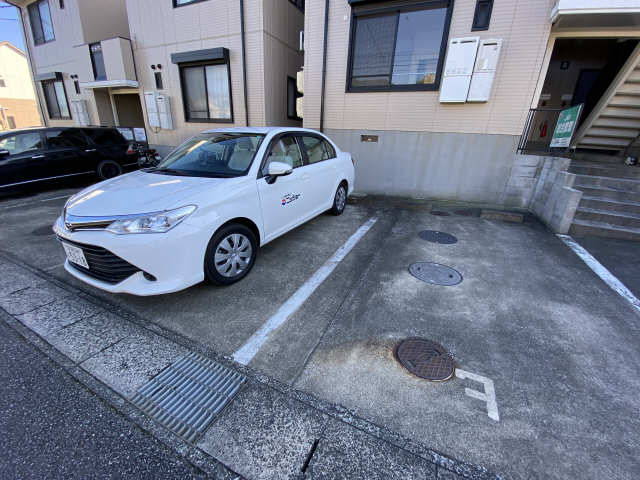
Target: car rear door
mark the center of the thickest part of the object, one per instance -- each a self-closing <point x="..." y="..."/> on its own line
<point x="108" y="144"/>
<point x="26" y="161"/>
<point x="283" y="199"/>
<point x="321" y="167"/>
<point x="67" y="151"/>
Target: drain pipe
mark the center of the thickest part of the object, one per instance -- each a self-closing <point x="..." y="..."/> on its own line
<point x="324" y="63"/>
<point x="244" y="64"/>
<point x="43" y="117"/>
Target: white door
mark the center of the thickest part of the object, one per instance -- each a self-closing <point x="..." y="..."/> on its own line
<point x="321" y="169"/>
<point x="283" y="199"/>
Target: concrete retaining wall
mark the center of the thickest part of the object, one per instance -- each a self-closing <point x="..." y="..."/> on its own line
<point x="554" y="201"/>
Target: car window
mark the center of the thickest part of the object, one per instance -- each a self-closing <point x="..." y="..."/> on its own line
<point x="105" y="136"/>
<point x="331" y="152"/>
<point x="285" y="150"/>
<point x="217" y="154"/>
<point x="22" y="142"/>
<point x="316" y="151"/>
<point x="65" y="138"/>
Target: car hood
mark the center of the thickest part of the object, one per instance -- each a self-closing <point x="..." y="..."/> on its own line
<point x="139" y="192"/>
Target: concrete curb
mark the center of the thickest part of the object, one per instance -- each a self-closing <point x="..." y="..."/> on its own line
<point x="443" y="466"/>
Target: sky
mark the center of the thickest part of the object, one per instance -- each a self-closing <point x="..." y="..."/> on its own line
<point x="10" y="25"/>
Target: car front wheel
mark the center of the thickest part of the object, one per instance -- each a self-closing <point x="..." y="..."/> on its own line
<point x="339" y="200"/>
<point x="230" y="254"/>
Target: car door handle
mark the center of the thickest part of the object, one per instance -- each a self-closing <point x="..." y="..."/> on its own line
<point x="38" y="156"/>
<point x="89" y="150"/>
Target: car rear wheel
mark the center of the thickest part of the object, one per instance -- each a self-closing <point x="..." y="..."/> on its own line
<point x="230" y="254"/>
<point x="109" y="169"/>
<point x="339" y="199"/>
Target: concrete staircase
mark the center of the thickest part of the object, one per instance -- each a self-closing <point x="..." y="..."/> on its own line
<point x="614" y="123"/>
<point x="610" y="205"/>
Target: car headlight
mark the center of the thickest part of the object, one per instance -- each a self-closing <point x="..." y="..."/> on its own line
<point x="151" y="222"/>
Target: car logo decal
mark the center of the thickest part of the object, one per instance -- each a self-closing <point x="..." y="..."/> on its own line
<point x="290" y="197"/>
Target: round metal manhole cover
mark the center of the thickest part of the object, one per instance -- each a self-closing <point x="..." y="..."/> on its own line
<point x="425" y="359"/>
<point x="435" y="236"/>
<point x="468" y="212"/>
<point x="439" y="213"/>
<point x="435" y="274"/>
<point x="43" y="231"/>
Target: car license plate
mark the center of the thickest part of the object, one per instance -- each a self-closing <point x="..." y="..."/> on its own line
<point x="75" y="255"/>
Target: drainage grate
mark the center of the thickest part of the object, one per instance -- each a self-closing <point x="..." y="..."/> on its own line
<point x="434" y="236"/>
<point x="439" y="213"/>
<point x="188" y="395"/>
<point x="468" y="212"/>
<point x="425" y="359"/>
<point x="435" y="274"/>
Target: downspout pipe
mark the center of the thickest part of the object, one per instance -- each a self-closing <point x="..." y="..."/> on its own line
<point x="244" y="64"/>
<point x="43" y="117"/>
<point x="324" y="63"/>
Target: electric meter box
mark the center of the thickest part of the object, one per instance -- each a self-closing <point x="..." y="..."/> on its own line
<point x="485" y="70"/>
<point x="164" y="112"/>
<point x="79" y="112"/>
<point x="458" y="69"/>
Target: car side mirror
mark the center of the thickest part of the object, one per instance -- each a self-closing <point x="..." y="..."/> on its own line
<point x="4" y="153"/>
<point x="276" y="169"/>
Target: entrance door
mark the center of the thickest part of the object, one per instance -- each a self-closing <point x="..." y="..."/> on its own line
<point x="128" y="109"/>
<point x="586" y="79"/>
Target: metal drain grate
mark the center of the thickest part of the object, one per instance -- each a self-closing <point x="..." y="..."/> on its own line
<point x="425" y="359"/>
<point x="439" y="213"/>
<point x="188" y="395"/>
<point x="434" y="236"/>
<point x="435" y="274"/>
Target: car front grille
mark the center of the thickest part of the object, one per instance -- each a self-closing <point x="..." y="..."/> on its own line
<point x="103" y="265"/>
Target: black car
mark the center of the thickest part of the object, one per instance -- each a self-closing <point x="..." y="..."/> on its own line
<point x="40" y="154"/>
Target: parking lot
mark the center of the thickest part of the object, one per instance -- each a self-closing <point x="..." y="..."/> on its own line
<point x="547" y="354"/>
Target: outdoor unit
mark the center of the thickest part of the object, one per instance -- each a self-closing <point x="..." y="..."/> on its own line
<point x="458" y="68"/>
<point x="79" y="112"/>
<point x="164" y="111"/>
<point x="153" y="116"/>
<point x="485" y="70"/>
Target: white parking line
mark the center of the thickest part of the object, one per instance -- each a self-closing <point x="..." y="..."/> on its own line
<point x="35" y="201"/>
<point x="246" y="353"/>
<point x="615" y="284"/>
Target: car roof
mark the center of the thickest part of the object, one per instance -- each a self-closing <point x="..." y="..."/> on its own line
<point x="41" y="128"/>
<point x="260" y="130"/>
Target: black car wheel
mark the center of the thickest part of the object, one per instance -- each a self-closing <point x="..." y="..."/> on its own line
<point x="230" y="254"/>
<point x="108" y="169"/>
<point x="340" y="199"/>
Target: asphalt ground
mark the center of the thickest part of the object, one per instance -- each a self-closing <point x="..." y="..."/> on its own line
<point x="559" y="347"/>
<point x="53" y="427"/>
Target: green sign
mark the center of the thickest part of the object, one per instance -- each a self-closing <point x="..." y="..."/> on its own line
<point x="567" y="123"/>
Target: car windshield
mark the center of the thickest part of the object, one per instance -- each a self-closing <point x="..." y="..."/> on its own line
<point x="212" y="155"/>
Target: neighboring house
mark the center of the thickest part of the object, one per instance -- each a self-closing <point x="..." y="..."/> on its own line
<point x="432" y="97"/>
<point x="175" y="67"/>
<point x="81" y="60"/>
<point x="18" y="107"/>
<point x="190" y="52"/>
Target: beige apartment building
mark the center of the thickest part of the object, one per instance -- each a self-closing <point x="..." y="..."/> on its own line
<point x="170" y="68"/>
<point x="432" y="97"/>
<point x="18" y="107"/>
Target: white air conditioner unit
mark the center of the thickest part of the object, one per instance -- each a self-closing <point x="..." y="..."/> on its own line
<point x="458" y="68"/>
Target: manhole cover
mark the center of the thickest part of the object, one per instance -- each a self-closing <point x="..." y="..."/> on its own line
<point x="439" y="213"/>
<point x="425" y="359"/>
<point x="468" y="212"/>
<point x="435" y="274"/>
<point x="434" y="236"/>
<point x="43" y="231"/>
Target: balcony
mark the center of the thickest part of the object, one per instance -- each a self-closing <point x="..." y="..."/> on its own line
<point x="110" y="64"/>
<point x="596" y="14"/>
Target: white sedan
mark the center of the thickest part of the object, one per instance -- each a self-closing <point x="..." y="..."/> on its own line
<point x="204" y="211"/>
